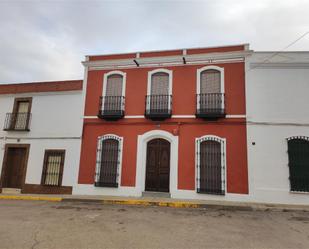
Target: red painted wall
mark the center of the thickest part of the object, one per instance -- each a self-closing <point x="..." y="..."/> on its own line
<point x="188" y="129"/>
<point x="184" y="89"/>
<point x="184" y="103"/>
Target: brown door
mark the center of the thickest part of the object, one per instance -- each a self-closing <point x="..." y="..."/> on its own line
<point x="158" y="166"/>
<point x="14" y="167"/>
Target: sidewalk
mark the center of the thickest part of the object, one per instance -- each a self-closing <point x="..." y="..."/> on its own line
<point x="155" y="201"/>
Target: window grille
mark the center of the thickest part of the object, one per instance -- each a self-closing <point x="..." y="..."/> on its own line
<point x="298" y="152"/>
<point x="53" y="167"/>
<point x="108" y="161"/>
<point x="211" y="165"/>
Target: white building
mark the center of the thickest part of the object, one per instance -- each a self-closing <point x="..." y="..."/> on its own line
<point x="277" y="87"/>
<point x="40" y="136"/>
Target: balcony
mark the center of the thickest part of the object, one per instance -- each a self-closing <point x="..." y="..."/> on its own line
<point x="210" y="105"/>
<point x="158" y="107"/>
<point x="111" y="107"/>
<point x="17" y="121"/>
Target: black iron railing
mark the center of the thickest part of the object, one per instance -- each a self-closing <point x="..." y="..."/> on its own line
<point x="111" y="107"/>
<point x="158" y="106"/>
<point x="17" y="121"/>
<point x="210" y="105"/>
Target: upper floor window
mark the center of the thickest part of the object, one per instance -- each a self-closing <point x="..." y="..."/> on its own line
<point x="109" y="154"/>
<point x="19" y="119"/>
<point x="159" y="94"/>
<point x="210" y="92"/>
<point x="210" y="160"/>
<point x="113" y="98"/>
<point x="298" y="151"/>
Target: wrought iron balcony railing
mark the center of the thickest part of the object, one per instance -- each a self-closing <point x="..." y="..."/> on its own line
<point x="17" y="121"/>
<point x="210" y="105"/>
<point x="158" y="106"/>
<point x="111" y="107"/>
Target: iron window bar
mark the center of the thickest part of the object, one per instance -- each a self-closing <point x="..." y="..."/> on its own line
<point x="17" y="121"/>
<point x="111" y="107"/>
<point x="210" y="166"/>
<point x="53" y="168"/>
<point x="210" y="105"/>
<point x="158" y="106"/>
<point x="108" y="161"/>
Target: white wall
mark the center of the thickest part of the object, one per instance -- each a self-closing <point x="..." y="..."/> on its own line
<point x="56" y="124"/>
<point x="277" y="108"/>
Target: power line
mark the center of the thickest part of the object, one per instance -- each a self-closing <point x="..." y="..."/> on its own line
<point x="276" y="53"/>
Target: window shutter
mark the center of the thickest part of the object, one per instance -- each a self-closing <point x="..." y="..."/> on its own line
<point x="298" y="151"/>
<point x="160" y="84"/>
<point x="210" y="81"/>
<point x="114" y="85"/>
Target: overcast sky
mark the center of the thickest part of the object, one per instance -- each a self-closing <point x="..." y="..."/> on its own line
<point x="47" y="40"/>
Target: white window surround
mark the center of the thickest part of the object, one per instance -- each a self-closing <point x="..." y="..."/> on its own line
<point x="198" y="142"/>
<point x="120" y="149"/>
<point x="198" y="80"/>
<point x="106" y="75"/>
<point x="142" y="154"/>
<point x="170" y="82"/>
<point x="160" y="70"/>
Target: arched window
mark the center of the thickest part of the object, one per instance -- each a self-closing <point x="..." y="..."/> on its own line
<point x="160" y="83"/>
<point x="108" y="161"/>
<point x="114" y="85"/>
<point x="210" y="151"/>
<point x="112" y="103"/>
<point x="159" y="92"/>
<point x="210" y="90"/>
<point x="210" y="81"/>
<point x="298" y="151"/>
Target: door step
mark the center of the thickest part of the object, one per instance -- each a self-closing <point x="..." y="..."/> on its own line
<point x="11" y="190"/>
<point x="156" y="194"/>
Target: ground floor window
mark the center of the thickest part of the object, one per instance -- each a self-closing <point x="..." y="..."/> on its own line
<point x="108" y="161"/>
<point x="210" y="165"/>
<point x="298" y="151"/>
<point x="53" y="167"/>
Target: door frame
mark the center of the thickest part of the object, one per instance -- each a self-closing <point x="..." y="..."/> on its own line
<point x="141" y="159"/>
<point x="169" y="166"/>
<point x="4" y="163"/>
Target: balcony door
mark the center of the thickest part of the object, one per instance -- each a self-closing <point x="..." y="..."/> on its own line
<point x="159" y="92"/>
<point x="21" y="114"/>
<point x="158" y="166"/>
<point x="113" y="98"/>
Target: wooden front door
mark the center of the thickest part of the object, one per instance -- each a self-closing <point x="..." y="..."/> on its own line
<point x="13" y="175"/>
<point x="158" y="166"/>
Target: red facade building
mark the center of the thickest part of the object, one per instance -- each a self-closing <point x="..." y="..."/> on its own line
<point x="166" y="121"/>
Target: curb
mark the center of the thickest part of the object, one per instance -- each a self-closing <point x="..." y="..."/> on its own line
<point x="30" y="198"/>
<point x="139" y="203"/>
<point x="173" y="204"/>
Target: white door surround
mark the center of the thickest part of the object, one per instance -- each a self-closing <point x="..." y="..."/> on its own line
<point x="142" y="141"/>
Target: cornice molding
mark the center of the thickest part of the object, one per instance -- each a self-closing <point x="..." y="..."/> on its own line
<point x="279" y="65"/>
<point x="209" y="58"/>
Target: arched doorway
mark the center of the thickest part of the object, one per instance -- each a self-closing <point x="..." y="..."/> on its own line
<point x="158" y="165"/>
